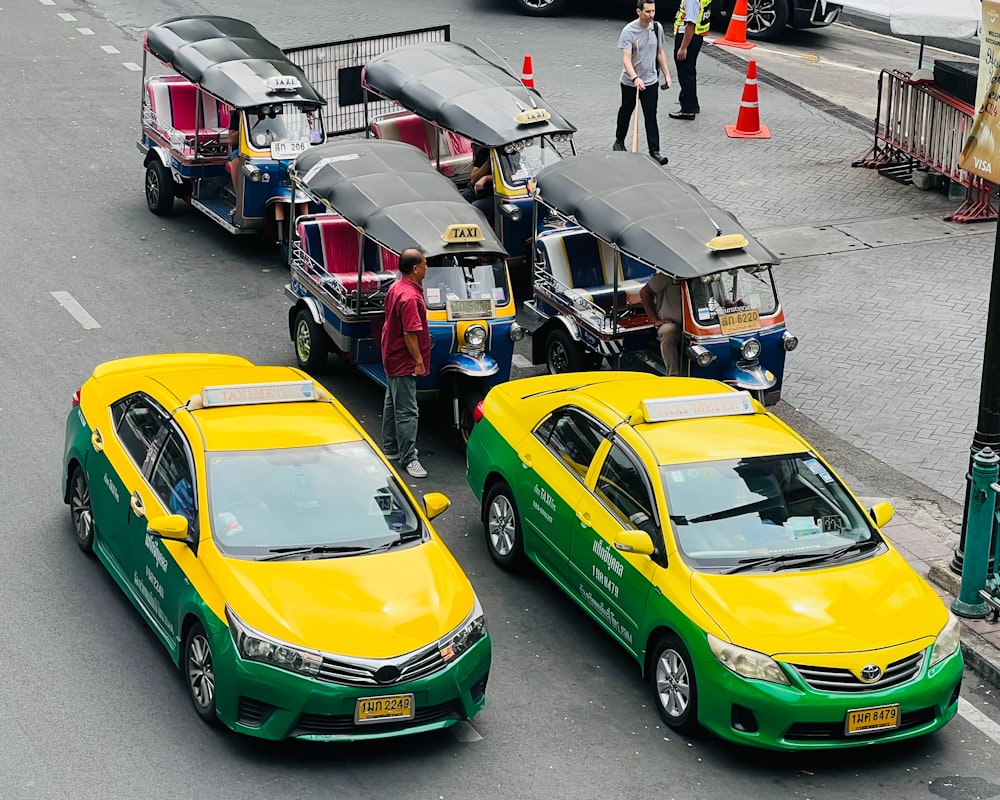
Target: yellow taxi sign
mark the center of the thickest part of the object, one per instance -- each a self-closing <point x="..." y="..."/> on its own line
<point x="664" y="409"/>
<point x="728" y="241"/>
<point x="459" y="234"/>
<point x="245" y="394"/>
<point x="532" y="116"/>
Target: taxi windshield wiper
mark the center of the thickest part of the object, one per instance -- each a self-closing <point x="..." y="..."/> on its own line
<point x="277" y="553"/>
<point x="843" y="551"/>
<point x="405" y="538"/>
<point x="801" y="559"/>
<point x="750" y="563"/>
<point x="728" y="512"/>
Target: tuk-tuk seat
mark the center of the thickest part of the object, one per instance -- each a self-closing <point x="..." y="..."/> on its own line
<point x="174" y="101"/>
<point x="403" y="126"/>
<point x="334" y="245"/>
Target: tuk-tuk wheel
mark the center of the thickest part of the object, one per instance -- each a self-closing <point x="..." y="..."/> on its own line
<point x="467" y="403"/>
<point x="564" y="354"/>
<point x="159" y="188"/>
<point x="312" y="348"/>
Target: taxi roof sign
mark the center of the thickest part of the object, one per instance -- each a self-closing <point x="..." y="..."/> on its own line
<point x="246" y="394"/>
<point x="727" y="241"/>
<point x="459" y="234"/>
<point x="282" y="83"/>
<point x="664" y="409"/>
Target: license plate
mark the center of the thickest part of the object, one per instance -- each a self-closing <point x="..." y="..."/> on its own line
<point x="867" y="720"/>
<point x="478" y="308"/>
<point x="280" y="150"/>
<point x="740" y="321"/>
<point x="387" y="708"/>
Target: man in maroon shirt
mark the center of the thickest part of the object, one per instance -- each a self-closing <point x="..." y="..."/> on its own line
<point x="406" y="355"/>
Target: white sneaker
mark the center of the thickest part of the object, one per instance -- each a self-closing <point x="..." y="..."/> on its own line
<point x="416" y="470"/>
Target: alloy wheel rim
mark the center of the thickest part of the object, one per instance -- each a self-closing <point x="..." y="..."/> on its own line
<point x="152" y="188"/>
<point x="501" y="525"/>
<point x="303" y="345"/>
<point x="761" y="16"/>
<point x="201" y="677"/>
<point x="538" y="3"/>
<point x="673" y="684"/>
<point x="83" y="518"/>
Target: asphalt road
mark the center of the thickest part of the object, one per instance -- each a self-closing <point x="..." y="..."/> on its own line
<point x="91" y="705"/>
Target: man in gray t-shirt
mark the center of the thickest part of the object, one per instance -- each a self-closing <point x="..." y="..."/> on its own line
<point x="641" y="45"/>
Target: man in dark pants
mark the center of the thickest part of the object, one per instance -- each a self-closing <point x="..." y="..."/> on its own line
<point x="690" y="27"/>
<point x="641" y="43"/>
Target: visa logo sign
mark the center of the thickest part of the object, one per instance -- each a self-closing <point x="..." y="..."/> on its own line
<point x="982" y="165"/>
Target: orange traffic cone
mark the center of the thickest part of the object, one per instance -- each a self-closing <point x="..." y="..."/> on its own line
<point x="527" y="76"/>
<point x="748" y="121"/>
<point x="736" y="33"/>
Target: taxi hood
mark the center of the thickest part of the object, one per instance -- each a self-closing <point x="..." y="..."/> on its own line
<point x="370" y="606"/>
<point x="880" y="602"/>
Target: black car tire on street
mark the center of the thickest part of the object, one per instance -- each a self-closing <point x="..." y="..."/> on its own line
<point x="159" y="188"/>
<point x="502" y="527"/>
<point x="312" y="348"/>
<point x="81" y="511"/>
<point x="541" y="8"/>
<point x="766" y="19"/>
<point x="199" y="673"/>
<point x="675" y="692"/>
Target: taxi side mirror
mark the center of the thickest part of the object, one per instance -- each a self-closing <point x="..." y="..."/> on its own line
<point x="636" y="542"/>
<point x="881" y="513"/>
<point x="435" y="504"/>
<point x="171" y="526"/>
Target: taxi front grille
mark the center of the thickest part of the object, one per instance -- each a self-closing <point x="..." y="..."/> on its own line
<point x="344" y="724"/>
<point x="381" y="672"/>
<point x="830" y="679"/>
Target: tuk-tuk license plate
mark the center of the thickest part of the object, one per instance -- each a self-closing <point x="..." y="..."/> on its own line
<point x="388" y="708"/>
<point x="740" y="321"/>
<point x="280" y="150"/>
<point x="868" y="720"/>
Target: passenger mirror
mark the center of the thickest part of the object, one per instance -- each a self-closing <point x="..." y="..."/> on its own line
<point x="171" y="526"/>
<point x="435" y="504"/>
<point x="636" y="542"/>
<point x="881" y="513"/>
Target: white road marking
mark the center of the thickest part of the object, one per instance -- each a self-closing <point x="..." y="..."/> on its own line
<point x="110" y="48"/>
<point x="67" y="17"/>
<point x="464" y="732"/>
<point x="131" y="66"/>
<point x="78" y="312"/>
<point x="521" y="362"/>
<point x="47" y="2"/>
<point x="85" y="31"/>
<point x="972" y="714"/>
<point x="815" y="60"/>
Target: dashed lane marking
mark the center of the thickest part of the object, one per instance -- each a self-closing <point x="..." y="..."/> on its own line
<point x="67" y="17"/>
<point x="47" y="2"/>
<point x="78" y="312"/>
<point x="131" y="66"/>
<point x="464" y="732"/>
<point x="85" y="31"/>
<point x="110" y="49"/>
<point x="978" y="719"/>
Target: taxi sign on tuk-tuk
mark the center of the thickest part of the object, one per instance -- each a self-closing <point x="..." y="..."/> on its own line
<point x="530" y="116"/>
<point x="460" y="234"/>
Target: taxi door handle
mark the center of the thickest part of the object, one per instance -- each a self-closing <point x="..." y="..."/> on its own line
<point x="525" y="460"/>
<point x="137" y="507"/>
<point x="584" y="518"/>
<point x="97" y="441"/>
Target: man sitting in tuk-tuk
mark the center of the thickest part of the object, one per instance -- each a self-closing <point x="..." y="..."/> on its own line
<point x="480" y="189"/>
<point x="664" y="305"/>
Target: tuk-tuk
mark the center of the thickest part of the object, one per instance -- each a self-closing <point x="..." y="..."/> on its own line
<point x="453" y="100"/>
<point x="221" y="130"/>
<point x="605" y="222"/>
<point x="383" y="197"/>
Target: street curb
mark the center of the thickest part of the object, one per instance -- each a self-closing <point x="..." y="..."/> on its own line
<point x="976" y="659"/>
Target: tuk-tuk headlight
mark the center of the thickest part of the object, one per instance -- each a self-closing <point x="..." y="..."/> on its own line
<point x="700" y="355"/>
<point x="750" y="349"/>
<point x="253" y="173"/>
<point x="789" y="342"/>
<point x="475" y="336"/>
<point x="516" y="332"/>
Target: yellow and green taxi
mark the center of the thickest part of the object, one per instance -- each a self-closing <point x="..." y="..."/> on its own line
<point x="273" y="550"/>
<point x="722" y="552"/>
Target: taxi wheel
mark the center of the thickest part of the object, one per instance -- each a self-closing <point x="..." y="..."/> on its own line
<point x="159" y="188"/>
<point x="541" y="8"/>
<point x="766" y="19"/>
<point x="502" y="527"/>
<point x="81" y="510"/>
<point x="311" y="345"/>
<point x="563" y="353"/>
<point x="200" y="673"/>
<point x="674" y="689"/>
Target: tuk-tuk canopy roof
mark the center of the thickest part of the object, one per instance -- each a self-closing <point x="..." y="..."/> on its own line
<point x="392" y="192"/>
<point x="229" y="59"/>
<point x="455" y="87"/>
<point x="630" y="202"/>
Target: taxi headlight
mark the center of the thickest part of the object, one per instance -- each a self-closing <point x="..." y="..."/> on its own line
<point x="750" y="349"/>
<point x="747" y="663"/>
<point x="255" y="646"/>
<point x="947" y="641"/>
<point x="465" y="635"/>
<point x="475" y="336"/>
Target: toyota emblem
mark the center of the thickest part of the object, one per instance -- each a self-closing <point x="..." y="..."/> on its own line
<point x="390" y="674"/>
<point x="870" y="673"/>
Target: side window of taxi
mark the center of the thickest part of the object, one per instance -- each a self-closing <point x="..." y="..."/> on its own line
<point x="172" y="480"/>
<point x="573" y="438"/>
<point x="137" y="423"/>
<point x="622" y="486"/>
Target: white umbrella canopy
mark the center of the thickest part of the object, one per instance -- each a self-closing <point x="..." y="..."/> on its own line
<point x="945" y="19"/>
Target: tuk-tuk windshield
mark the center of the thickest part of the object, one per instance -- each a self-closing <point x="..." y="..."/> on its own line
<point x="283" y="122"/>
<point x="465" y="278"/>
<point x="738" y="288"/>
<point x="526" y="158"/>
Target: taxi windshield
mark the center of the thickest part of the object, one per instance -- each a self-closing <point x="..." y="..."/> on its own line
<point x="475" y="277"/>
<point x="737" y="289"/>
<point x="282" y="122"/>
<point x="778" y="512"/>
<point x="335" y="498"/>
<point x="526" y="158"/>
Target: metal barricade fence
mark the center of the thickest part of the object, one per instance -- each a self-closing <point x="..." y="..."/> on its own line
<point x="334" y="69"/>
<point x="918" y="122"/>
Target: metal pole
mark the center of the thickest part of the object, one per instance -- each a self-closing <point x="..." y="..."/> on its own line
<point x="988" y="426"/>
<point x="980" y="526"/>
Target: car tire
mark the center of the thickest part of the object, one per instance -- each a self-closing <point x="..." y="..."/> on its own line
<point x="467" y="403"/>
<point x="312" y="347"/>
<point x="81" y="511"/>
<point x="766" y="19"/>
<point x="502" y="528"/>
<point x="675" y="691"/>
<point x="159" y="188"/>
<point x="199" y="673"/>
<point x="541" y="8"/>
<point x="563" y="353"/>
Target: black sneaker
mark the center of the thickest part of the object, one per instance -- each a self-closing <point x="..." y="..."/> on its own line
<point x="688" y="115"/>
<point x="618" y="145"/>
<point x="658" y="158"/>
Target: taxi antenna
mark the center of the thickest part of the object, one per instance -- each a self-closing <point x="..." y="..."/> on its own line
<point x="718" y="230"/>
<point x="509" y="68"/>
